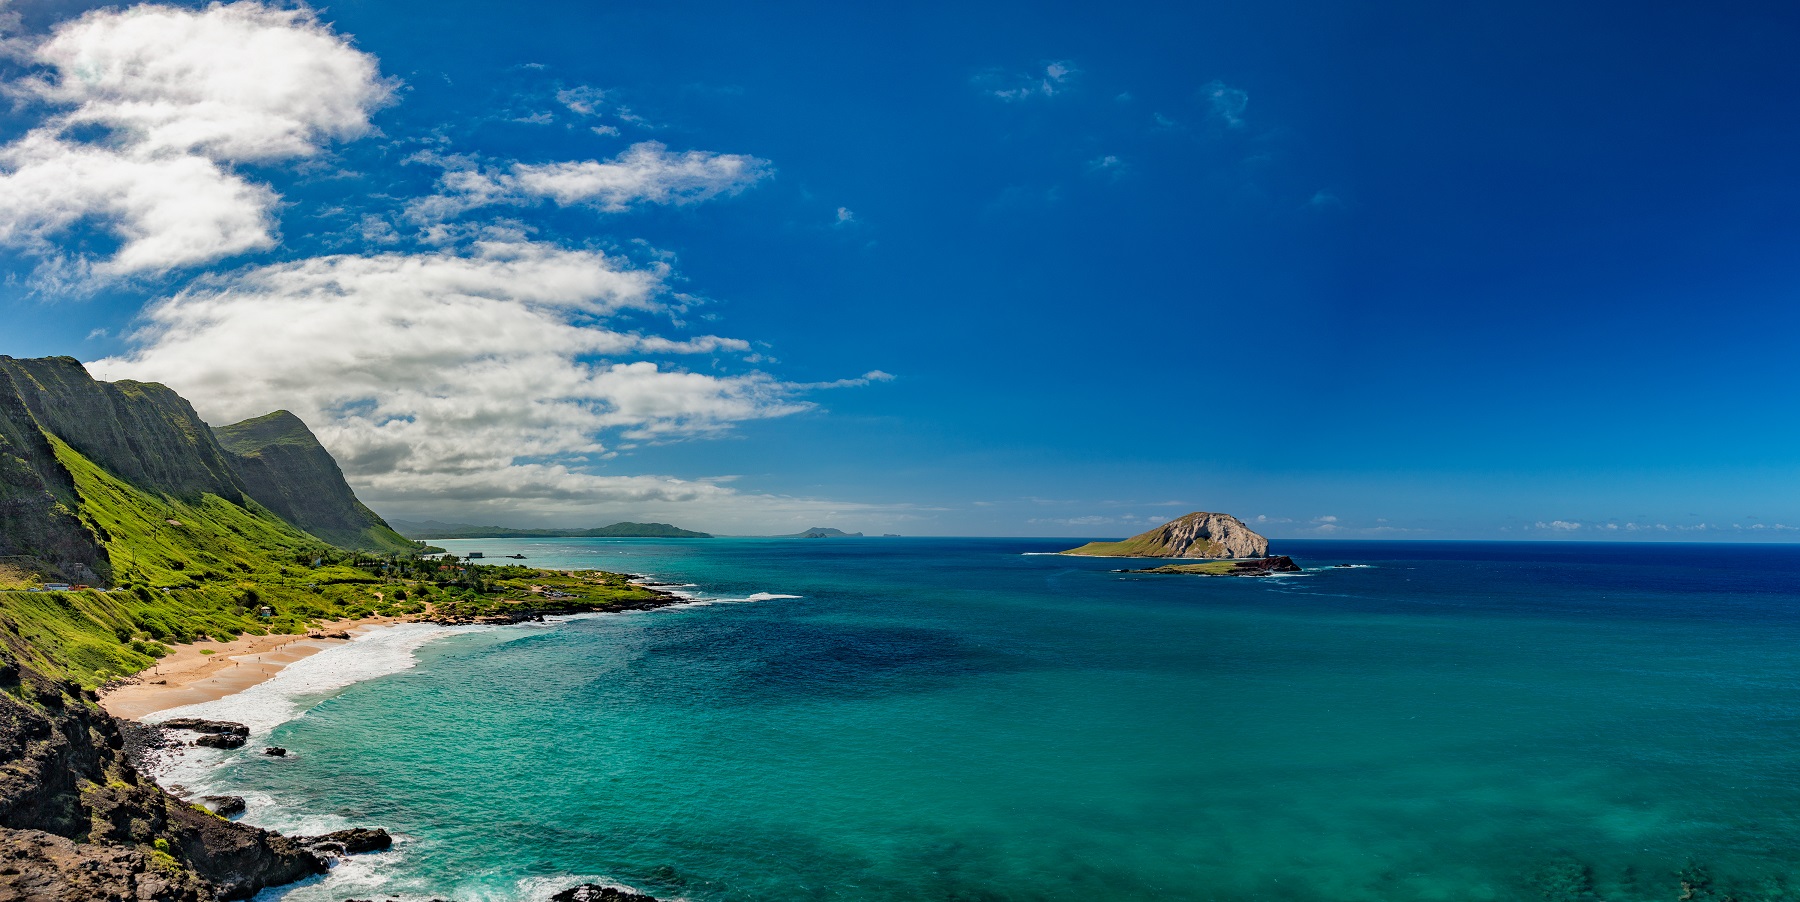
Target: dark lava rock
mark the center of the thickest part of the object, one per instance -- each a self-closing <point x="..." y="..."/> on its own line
<point x="66" y="774"/>
<point x="35" y="865"/>
<point x="275" y="751"/>
<point x="353" y="841"/>
<point x="593" y="892"/>
<point x="200" y="725"/>
<point x="223" y="806"/>
<point x="222" y="740"/>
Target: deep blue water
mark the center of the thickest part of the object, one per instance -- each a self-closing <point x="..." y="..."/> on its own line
<point x="954" y="719"/>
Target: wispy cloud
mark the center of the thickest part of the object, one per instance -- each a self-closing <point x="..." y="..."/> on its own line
<point x="1050" y="81"/>
<point x="1228" y="103"/>
<point x="646" y="173"/>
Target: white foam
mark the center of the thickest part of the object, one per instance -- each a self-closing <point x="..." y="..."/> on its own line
<point x="283" y="697"/>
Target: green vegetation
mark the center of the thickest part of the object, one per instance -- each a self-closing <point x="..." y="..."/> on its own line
<point x="283" y="466"/>
<point x="432" y="529"/>
<point x="1146" y="545"/>
<point x="121" y="486"/>
<point x="207" y="569"/>
<point x="1210" y="568"/>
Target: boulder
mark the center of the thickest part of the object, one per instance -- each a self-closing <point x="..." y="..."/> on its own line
<point x="594" y="892"/>
<point x="223" y="806"/>
<point x="275" y="751"/>
<point x="353" y="841"/>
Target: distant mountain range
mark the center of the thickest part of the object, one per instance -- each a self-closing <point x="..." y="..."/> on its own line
<point x="823" y="532"/>
<point x="435" y="529"/>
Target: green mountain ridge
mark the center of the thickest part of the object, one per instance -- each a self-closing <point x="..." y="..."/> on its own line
<point x="282" y="465"/>
<point x="434" y="529"/>
<point x="63" y="434"/>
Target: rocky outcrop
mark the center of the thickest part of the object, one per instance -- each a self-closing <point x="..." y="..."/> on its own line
<point x="42" y="867"/>
<point x="224" y="806"/>
<point x="1267" y="566"/>
<point x="1197" y="535"/>
<point x="594" y="892"/>
<point x="353" y="841"/>
<point x="218" y="734"/>
<point x="77" y="821"/>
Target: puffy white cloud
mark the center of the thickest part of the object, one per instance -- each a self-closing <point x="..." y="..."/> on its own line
<point x="645" y="173"/>
<point x="175" y="94"/>
<point x="482" y="373"/>
<point x="1559" y="525"/>
<point x="241" y="81"/>
<point x="166" y="210"/>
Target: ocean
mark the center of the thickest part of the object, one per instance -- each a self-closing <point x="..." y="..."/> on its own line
<point x="963" y="719"/>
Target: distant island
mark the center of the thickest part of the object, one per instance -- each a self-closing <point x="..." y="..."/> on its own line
<point x="823" y="532"/>
<point x="434" y="529"/>
<point x="1198" y="535"/>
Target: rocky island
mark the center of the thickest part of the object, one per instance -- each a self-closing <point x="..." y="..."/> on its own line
<point x="1197" y="535"/>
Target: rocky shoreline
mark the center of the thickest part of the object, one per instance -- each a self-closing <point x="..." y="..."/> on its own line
<point x="537" y="613"/>
<point x="81" y="817"/>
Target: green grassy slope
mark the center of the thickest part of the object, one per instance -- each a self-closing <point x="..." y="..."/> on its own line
<point x="283" y="466"/>
<point x="219" y="563"/>
<point x="1145" y="545"/>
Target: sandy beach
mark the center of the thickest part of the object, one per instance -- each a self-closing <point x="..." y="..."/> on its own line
<point x="204" y="671"/>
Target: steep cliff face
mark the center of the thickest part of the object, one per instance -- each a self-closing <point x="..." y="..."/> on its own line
<point x="39" y="530"/>
<point x="1197" y="535"/>
<point x="139" y="431"/>
<point x="283" y="466"/>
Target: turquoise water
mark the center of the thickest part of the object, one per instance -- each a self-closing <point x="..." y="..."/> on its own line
<point x="956" y="720"/>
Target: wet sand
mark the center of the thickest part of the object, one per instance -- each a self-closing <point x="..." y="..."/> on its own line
<point x="190" y="674"/>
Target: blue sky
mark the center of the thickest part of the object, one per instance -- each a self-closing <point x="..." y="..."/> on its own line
<point x="1408" y="270"/>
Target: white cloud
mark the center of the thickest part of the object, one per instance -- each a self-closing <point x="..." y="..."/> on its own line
<point x="645" y="173"/>
<point x="1228" y="103"/>
<point x="166" y="211"/>
<point x="582" y="100"/>
<point x="1560" y="525"/>
<point x="1328" y="518"/>
<point x="475" y="374"/>
<point x="845" y="216"/>
<point x="1014" y="86"/>
<point x="241" y="81"/>
<point x="176" y="96"/>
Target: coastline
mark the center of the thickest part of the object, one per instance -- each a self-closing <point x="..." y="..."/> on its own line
<point x="208" y="671"/>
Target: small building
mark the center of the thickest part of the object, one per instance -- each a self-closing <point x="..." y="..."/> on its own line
<point x="475" y="554"/>
<point x="266" y="612"/>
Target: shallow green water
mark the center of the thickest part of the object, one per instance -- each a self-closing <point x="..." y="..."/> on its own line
<point x="950" y="719"/>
